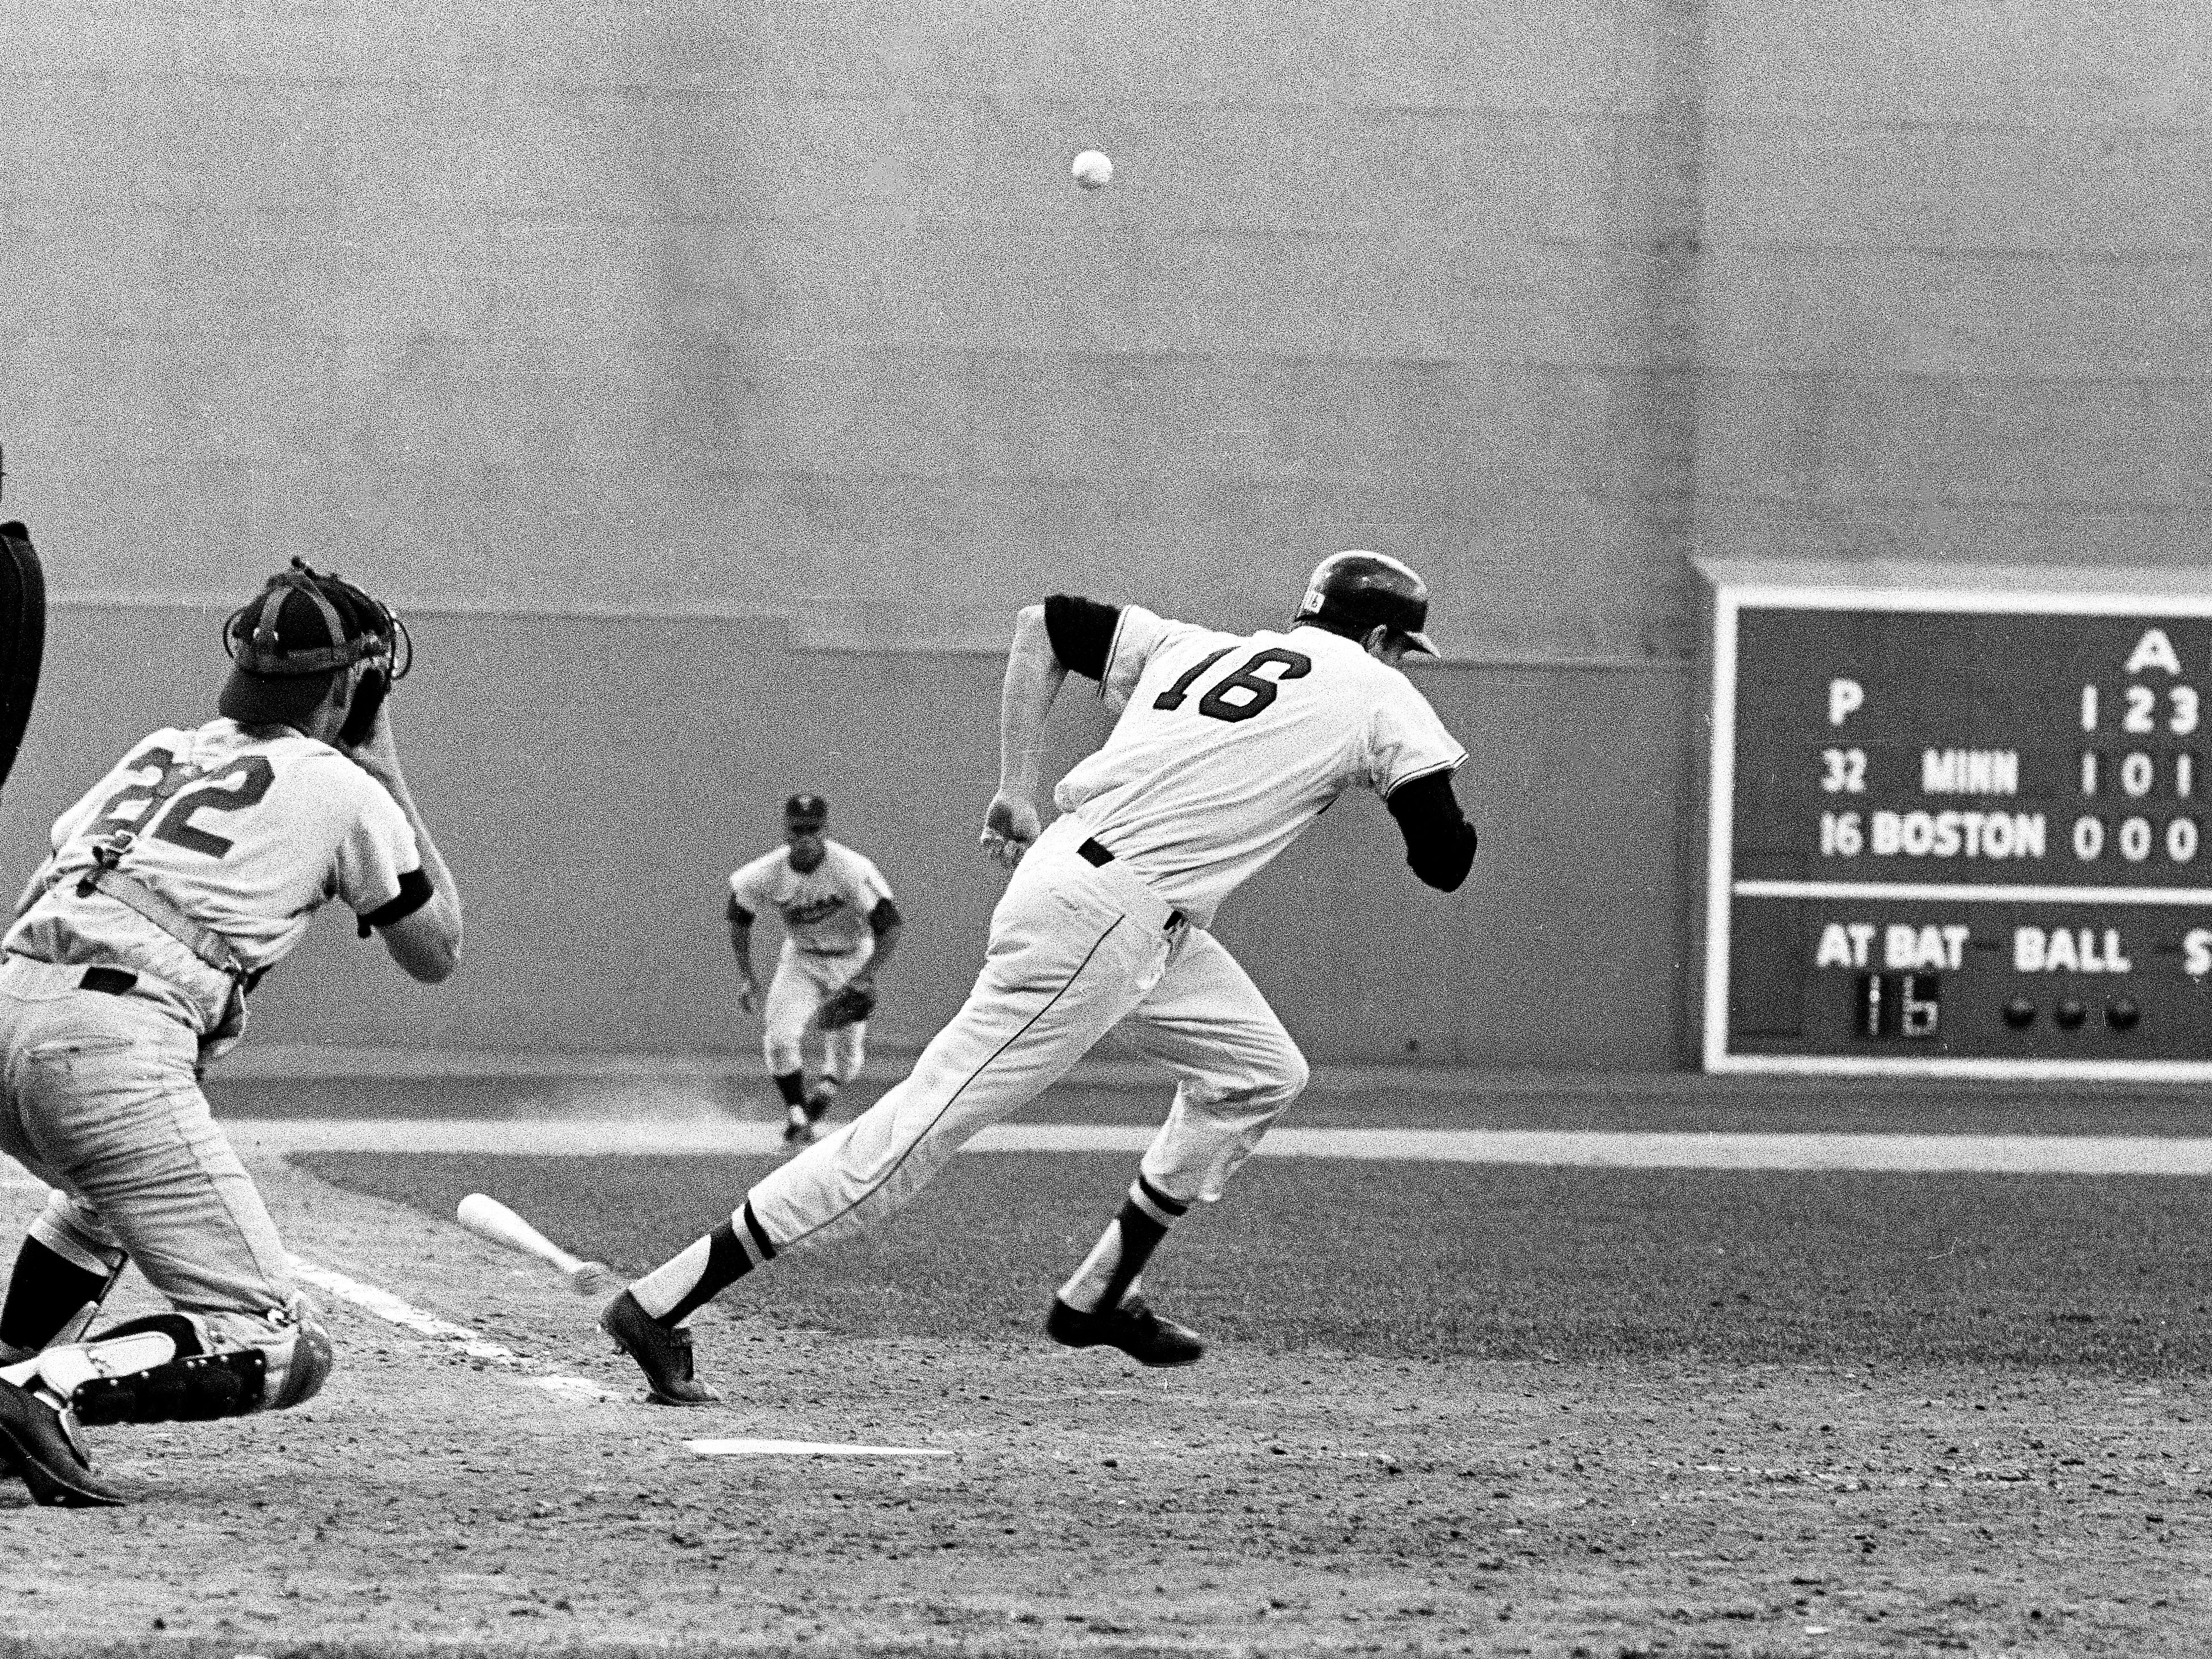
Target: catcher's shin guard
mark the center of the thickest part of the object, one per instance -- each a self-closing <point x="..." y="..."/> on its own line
<point x="206" y="1377"/>
<point x="196" y="1385"/>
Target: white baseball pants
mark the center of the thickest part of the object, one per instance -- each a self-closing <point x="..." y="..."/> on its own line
<point x="804" y="981"/>
<point x="1075" y="949"/>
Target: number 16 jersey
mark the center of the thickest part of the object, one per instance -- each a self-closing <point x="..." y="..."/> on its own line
<point x="1228" y="746"/>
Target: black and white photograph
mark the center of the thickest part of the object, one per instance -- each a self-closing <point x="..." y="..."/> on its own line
<point x="957" y="829"/>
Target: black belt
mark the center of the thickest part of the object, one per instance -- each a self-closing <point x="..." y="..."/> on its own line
<point x="1095" y="852"/>
<point x="112" y="981"/>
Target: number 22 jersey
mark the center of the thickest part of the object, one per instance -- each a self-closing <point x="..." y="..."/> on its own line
<point x="1228" y="746"/>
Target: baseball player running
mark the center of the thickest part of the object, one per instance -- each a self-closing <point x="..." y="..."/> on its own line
<point x="1223" y="750"/>
<point x="840" y="927"/>
<point x="183" y="877"/>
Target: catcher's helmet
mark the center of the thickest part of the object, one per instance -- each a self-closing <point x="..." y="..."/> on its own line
<point x="287" y="643"/>
<point x="1350" y="592"/>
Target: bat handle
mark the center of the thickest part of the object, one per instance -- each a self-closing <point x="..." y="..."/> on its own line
<point x="592" y="1279"/>
<point x="564" y="1263"/>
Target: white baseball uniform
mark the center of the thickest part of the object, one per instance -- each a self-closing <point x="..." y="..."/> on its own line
<point x="104" y="1015"/>
<point x="827" y="940"/>
<point x="1224" y="749"/>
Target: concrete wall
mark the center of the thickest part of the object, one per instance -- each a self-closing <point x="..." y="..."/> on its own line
<point x="792" y="308"/>
<point x="1956" y="299"/>
<point x="714" y="379"/>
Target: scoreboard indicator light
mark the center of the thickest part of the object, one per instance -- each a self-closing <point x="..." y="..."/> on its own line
<point x="1959" y="823"/>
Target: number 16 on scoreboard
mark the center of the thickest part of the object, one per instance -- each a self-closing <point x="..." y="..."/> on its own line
<point x="1899" y="1004"/>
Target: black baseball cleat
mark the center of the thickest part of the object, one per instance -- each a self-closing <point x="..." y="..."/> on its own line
<point x="799" y="1126"/>
<point x="663" y="1354"/>
<point x="38" y="1442"/>
<point x="817" y="1107"/>
<point x="1132" y="1328"/>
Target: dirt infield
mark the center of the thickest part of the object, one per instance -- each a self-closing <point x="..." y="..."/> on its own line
<point x="1260" y="1502"/>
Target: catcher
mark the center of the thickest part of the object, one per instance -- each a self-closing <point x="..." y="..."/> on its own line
<point x="185" y="874"/>
<point x="840" y="927"/>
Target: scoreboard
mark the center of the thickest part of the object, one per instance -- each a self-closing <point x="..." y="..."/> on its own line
<point x="1960" y="829"/>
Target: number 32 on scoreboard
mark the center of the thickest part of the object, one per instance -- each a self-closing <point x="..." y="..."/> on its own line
<point x="1843" y="771"/>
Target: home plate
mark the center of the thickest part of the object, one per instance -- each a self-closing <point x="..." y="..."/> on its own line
<point x="805" y="1449"/>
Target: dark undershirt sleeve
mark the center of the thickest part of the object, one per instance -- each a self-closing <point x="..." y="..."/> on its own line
<point x="1082" y="633"/>
<point x="884" y="917"/>
<point x="414" y="893"/>
<point x="1439" y="841"/>
<point x="738" y="914"/>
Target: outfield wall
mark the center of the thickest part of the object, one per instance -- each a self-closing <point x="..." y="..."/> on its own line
<point x="593" y="810"/>
<point x="625" y="344"/>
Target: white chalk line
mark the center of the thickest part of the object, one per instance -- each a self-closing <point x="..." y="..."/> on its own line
<point x="1995" y="1154"/>
<point x="395" y="1310"/>
<point x="373" y="1299"/>
<point x="806" y="1449"/>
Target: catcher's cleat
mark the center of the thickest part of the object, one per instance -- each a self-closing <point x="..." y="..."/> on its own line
<point x="663" y="1354"/>
<point x="1132" y="1328"/>
<point x="38" y="1442"/>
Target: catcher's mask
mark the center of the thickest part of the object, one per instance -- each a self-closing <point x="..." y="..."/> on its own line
<point x="301" y="632"/>
<point x="1350" y="592"/>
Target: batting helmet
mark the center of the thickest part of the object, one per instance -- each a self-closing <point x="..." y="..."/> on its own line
<point x="1350" y="592"/>
<point x="303" y="628"/>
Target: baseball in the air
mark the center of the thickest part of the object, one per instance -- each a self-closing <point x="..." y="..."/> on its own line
<point x="1093" y="169"/>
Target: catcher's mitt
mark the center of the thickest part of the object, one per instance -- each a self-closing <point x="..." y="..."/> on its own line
<point x="848" y="1005"/>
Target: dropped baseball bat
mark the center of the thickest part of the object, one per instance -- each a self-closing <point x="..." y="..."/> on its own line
<point x="488" y="1217"/>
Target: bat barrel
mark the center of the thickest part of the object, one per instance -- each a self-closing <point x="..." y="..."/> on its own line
<point x="486" y="1216"/>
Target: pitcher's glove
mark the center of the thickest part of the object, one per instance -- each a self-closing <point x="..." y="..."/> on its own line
<point x="848" y="1005"/>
